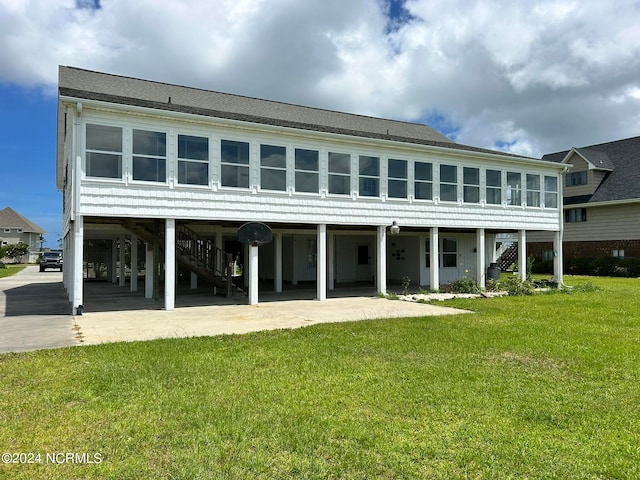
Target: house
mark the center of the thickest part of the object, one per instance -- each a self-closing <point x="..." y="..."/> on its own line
<point x="14" y="229"/>
<point x="601" y="202"/>
<point x="166" y="175"/>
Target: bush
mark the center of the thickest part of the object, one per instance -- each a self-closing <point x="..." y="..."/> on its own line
<point x="2" y="265"/>
<point x="542" y="266"/>
<point x="514" y="285"/>
<point x="605" y="266"/>
<point x="464" y="285"/>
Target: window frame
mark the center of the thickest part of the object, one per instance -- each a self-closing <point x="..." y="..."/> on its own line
<point x="448" y="183"/>
<point x="89" y="151"/>
<point x="420" y="182"/>
<point x="393" y="180"/>
<point x="575" y="215"/>
<point x="512" y="191"/>
<point x="449" y="254"/>
<point x="235" y="164"/>
<point x="186" y="160"/>
<point x="276" y="169"/>
<point x="489" y="187"/>
<point x="306" y="172"/>
<point x="159" y="159"/>
<point x="533" y="194"/>
<point x="365" y="177"/>
<point x="468" y="187"/>
<point x="551" y="194"/>
<point x="339" y="175"/>
<point x="576" y="179"/>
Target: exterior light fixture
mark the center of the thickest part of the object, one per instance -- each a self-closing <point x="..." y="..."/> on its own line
<point x="395" y="229"/>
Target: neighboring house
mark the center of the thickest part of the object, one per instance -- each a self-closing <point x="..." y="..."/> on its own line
<point x="181" y="169"/>
<point x="14" y="229"/>
<point x="601" y="201"/>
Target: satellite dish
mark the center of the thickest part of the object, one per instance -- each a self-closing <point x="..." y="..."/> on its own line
<point x="255" y="234"/>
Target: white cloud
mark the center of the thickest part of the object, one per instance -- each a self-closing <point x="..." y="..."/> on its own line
<point x="500" y="74"/>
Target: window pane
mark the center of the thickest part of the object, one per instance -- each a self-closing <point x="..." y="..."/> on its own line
<point x="339" y="163"/>
<point x="306" y="182"/>
<point x="494" y="178"/>
<point x="235" y="152"/>
<point x="494" y="196"/>
<point x="193" y="173"/>
<point x="105" y="165"/>
<point x="369" y="166"/>
<point x="398" y="188"/>
<point x="149" y="169"/>
<point x="533" y="198"/>
<point x="397" y="168"/>
<point x="448" y="173"/>
<point x="513" y="180"/>
<point x="306" y="160"/>
<point x="235" y="176"/>
<point x="368" y="187"/>
<point x="448" y="193"/>
<point x="471" y="176"/>
<point x="551" y="184"/>
<point x="423" y="191"/>
<point x="102" y="137"/>
<point x="149" y="143"/>
<point x="472" y="194"/>
<point x="271" y="179"/>
<point x="551" y="200"/>
<point x="533" y="182"/>
<point x="272" y="156"/>
<point x="423" y="171"/>
<point x="339" y="184"/>
<point x="193" y="148"/>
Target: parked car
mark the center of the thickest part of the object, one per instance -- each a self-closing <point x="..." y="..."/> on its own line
<point x="51" y="260"/>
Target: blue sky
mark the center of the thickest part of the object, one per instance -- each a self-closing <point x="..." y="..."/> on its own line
<point x="525" y="77"/>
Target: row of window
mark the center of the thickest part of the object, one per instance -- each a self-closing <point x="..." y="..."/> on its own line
<point x="104" y="159"/>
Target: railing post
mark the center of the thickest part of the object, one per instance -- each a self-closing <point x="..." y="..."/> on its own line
<point x="229" y="262"/>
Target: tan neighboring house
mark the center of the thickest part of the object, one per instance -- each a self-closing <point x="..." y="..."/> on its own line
<point x="601" y="202"/>
<point x="14" y="229"/>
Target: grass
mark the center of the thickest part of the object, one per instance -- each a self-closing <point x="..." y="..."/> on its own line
<point x="11" y="270"/>
<point x="526" y="388"/>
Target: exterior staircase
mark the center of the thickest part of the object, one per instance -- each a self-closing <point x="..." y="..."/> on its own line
<point x="508" y="257"/>
<point x="198" y="254"/>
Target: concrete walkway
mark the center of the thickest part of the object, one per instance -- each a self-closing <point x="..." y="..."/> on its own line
<point x="34" y="313"/>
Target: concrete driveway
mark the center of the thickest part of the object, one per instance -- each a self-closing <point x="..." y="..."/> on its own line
<point x="34" y="312"/>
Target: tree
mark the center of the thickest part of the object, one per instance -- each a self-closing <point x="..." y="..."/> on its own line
<point x="16" y="251"/>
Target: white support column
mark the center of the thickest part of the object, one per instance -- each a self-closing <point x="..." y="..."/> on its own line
<point x="134" y="263"/>
<point x="77" y="264"/>
<point x="253" y="275"/>
<point x="481" y="265"/>
<point x="114" y="260"/>
<point x="170" y="264"/>
<point x="422" y="254"/>
<point x="381" y="260"/>
<point x="321" y="264"/>
<point x="558" y="273"/>
<point x="331" y="253"/>
<point x="522" y="254"/>
<point x="218" y="243"/>
<point x="149" y="268"/>
<point x="434" y="264"/>
<point x="278" y="262"/>
<point x="122" y="275"/>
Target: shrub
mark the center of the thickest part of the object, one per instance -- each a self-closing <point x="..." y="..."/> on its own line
<point x="464" y="285"/>
<point x="514" y="285"/>
<point x="542" y="266"/>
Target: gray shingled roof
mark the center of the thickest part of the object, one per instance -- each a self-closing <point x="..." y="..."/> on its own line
<point x="621" y="158"/>
<point x="85" y="84"/>
<point x="9" y="218"/>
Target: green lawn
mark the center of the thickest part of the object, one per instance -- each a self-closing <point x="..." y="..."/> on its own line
<point x="11" y="270"/>
<point x="526" y="388"/>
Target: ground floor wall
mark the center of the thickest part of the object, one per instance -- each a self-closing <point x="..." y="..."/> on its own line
<point x="591" y="249"/>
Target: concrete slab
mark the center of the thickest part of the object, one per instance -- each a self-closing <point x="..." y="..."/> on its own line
<point x="34" y="312"/>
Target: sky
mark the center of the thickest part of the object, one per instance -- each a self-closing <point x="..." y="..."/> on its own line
<point x="525" y="77"/>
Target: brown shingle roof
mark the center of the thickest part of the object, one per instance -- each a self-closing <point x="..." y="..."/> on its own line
<point x="9" y="218"/>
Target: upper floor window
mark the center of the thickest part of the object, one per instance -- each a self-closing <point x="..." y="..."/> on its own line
<point x="397" y="182"/>
<point x="369" y="180"/>
<point x="551" y="192"/>
<point x="339" y="173"/>
<point x="575" y="215"/>
<point x="273" y="167"/>
<point x="149" y="156"/>
<point x="471" y="184"/>
<point x="514" y="188"/>
<point x="234" y="162"/>
<point x="307" y="167"/>
<point x="494" y="187"/>
<point x="448" y="183"/>
<point x="103" y="151"/>
<point x="423" y="180"/>
<point x="193" y="160"/>
<point x="533" y="190"/>
<point x="576" y="178"/>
